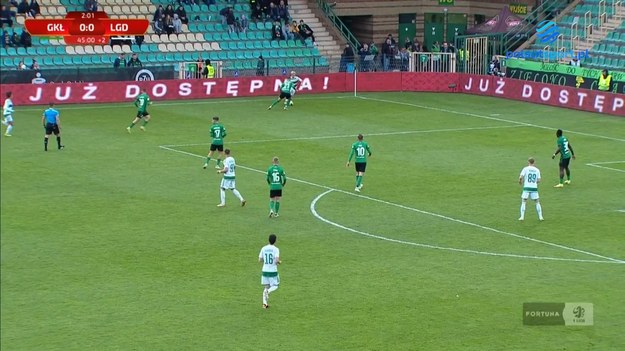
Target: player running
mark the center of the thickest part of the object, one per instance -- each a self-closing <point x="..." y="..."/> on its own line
<point x="295" y="80"/>
<point x="217" y="133"/>
<point x="360" y="149"/>
<point x="269" y="257"/>
<point x="566" y="152"/>
<point x="7" y="114"/>
<point x="285" y="93"/>
<point x="142" y="102"/>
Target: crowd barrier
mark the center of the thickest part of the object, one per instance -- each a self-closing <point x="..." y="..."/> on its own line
<point x="541" y="93"/>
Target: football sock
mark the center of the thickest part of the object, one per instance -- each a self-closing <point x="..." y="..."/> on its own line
<point x="264" y="297"/>
<point x="272" y="289"/>
<point x="522" y="209"/>
<point x="222" y="194"/>
<point x="218" y="161"/>
<point x="561" y="180"/>
<point x="9" y="129"/>
<point x="208" y="160"/>
<point x="58" y="141"/>
<point x="277" y="206"/>
<point x="132" y="124"/>
<point x="272" y="206"/>
<point x="237" y="194"/>
<point x="568" y="174"/>
<point x="274" y="103"/>
<point x="45" y="144"/>
<point x="539" y="209"/>
<point x="358" y="180"/>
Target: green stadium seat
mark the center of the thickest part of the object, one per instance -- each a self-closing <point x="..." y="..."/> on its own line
<point x="281" y="53"/>
<point x="76" y="60"/>
<point x="258" y="45"/>
<point x="240" y="45"/>
<point x="21" y="51"/>
<point x="213" y="56"/>
<point x="283" y="44"/>
<point x="220" y="27"/>
<point x="249" y="55"/>
<point x="622" y="50"/>
<point x="57" y="60"/>
<point x="249" y="45"/>
<point x="248" y="65"/>
<point x="252" y="26"/>
<point x="60" y="50"/>
<point x="7" y="62"/>
<point x="67" y="60"/>
<point x="193" y="27"/>
<point x="210" y="27"/>
<point x="47" y="61"/>
<point x="97" y="60"/>
<point x="213" y="8"/>
<point x="275" y="44"/>
<point x="231" y="55"/>
<point x="187" y="57"/>
<point x="209" y="36"/>
<point x="233" y="36"/>
<point x="221" y="55"/>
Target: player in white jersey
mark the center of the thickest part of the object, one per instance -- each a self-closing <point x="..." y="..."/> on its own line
<point x="529" y="179"/>
<point x="295" y="80"/>
<point x="7" y="114"/>
<point x="269" y="256"/>
<point x="228" y="181"/>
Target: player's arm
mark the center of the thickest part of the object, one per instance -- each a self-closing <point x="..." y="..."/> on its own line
<point x="58" y="122"/>
<point x="521" y="179"/>
<point x="223" y="133"/>
<point x="43" y="119"/>
<point x="283" y="179"/>
<point x="572" y="152"/>
<point x="555" y="153"/>
<point x="369" y="150"/>
<point x="223" y="170"/>
<point x="269" y="177"/>
<point x="351" y="154"/>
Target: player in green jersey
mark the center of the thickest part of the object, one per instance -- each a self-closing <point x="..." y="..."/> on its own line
<point x="360" y="149"/>
<point x="142" y="102"/>
<point x="276" y="178"/>
<point x="285" y="93"/>
<point x="295" y="80"/>
<point x="566" y="152"/>
<point x="218" y="133"/>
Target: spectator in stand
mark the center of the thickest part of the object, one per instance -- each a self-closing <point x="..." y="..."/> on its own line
<point x="494" y="68"/>
<point x="346" y="57"/>
<point x="159" y="25"/>
<point x="139" y="39"/>
<point x="24" y="8"/>
<point x="26" y="40"/>
<point x="264" y="5"/>
<point x="404" y="57"/>
<point x="209" y="2"/>
<point x="575" y="62"/>
<point x="276" y="31"/>
<point x="257" y="13"/>
<point x="134" y="61"/>
<point x="169" y="25"/>
<point x="21" y="66"/>
<point x="200" y="67"/>
<point x="407" y="43"/>
<point x="306" y="32"/>
<point x="169" y="11"/>
<point x="260" y="66"/>
<point x="91" y="6"/>
<point x="6" y="39"/>
<point x="387" y="54"/>
<point x="158" y="14"/>
<point x="34" y="8"/>
<point x="35" y="65"/>
<point x="15" y="39"/>
<point x="363" y="53"/>
<point x="415" y="46"/>
<point x="244" y="23"/>
<point x="283" y="12"/>
<point x="273" y="12"/>
<point x="6" y="16"/>
<point x="177" y="24"/>
<point x="120" y="61"/>
<point x="294" y="31"/>
<point x="182" y="14"/>
<point x="231" y="21"/>
<point x="224" y="14"/>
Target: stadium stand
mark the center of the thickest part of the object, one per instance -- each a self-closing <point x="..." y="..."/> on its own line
<point x="204" y="37"/>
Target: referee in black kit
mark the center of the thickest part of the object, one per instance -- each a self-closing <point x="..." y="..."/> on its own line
<point x="52" y="124"/>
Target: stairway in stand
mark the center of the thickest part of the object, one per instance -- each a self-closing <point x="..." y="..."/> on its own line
<point x="327" y="45"/>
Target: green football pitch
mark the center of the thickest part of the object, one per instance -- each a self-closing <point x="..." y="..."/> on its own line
<point x="116" y="242"/>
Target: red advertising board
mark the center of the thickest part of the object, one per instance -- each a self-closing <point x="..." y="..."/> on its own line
<point x="541" y="93"/>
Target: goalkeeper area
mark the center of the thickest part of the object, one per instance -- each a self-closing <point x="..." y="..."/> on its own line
<point x="116" y="242"/>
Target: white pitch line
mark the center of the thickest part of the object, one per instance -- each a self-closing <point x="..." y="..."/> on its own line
<point x="425" y="131"/>
<point x="419" y="211"/>
<point x="620" y="211"/>
<point x="313" y="209"/>
<point x="487" y="117"/>
<point x="605" y="163"/>
<point x="604" y="167"/>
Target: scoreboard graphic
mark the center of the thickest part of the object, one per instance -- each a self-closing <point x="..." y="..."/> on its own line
<point x="86" y="28"/>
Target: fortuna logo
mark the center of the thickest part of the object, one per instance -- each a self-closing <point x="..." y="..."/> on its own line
<point x="578" y="312"/>
<point x="547" y="32"/>
<point x="542" y="313"/>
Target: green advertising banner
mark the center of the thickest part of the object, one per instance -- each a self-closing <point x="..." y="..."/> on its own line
<point x="563" y="75"/>
<point x="446" y="2"/>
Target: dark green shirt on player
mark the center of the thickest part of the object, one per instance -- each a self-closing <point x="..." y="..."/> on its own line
<point x="218" y="133"/>
<point x="563" y="146"/>
<point x="276" y="178"/>
<point x="286" y="86"/>
<point x="360" y="149"/>
<point x="142" y="102"/>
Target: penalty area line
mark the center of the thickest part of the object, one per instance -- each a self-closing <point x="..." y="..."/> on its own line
<point x="313" y="209"/>
<point x="451" y="219"/>
<point x="599" y="165"/>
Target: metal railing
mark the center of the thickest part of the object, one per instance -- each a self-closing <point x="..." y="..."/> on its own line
<point x="521" y="33"/>
<point x="338" y="24"/>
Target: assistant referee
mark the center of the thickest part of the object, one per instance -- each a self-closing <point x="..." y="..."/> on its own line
<point x="52" y="124"/>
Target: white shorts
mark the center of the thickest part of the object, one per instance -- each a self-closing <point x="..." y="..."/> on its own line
<point x="228" y="184"/>
<point x="531" y="194"/>
<point x="8" y="118"/>
<point x="271" y="281"/>
<point x="293" y="92"/>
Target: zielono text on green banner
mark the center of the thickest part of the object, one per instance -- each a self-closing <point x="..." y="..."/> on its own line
<point x="563" y="75"/>
<point x="558" y="313"/>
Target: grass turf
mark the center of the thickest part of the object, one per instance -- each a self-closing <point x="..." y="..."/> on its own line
<point x="116" y="242"/>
